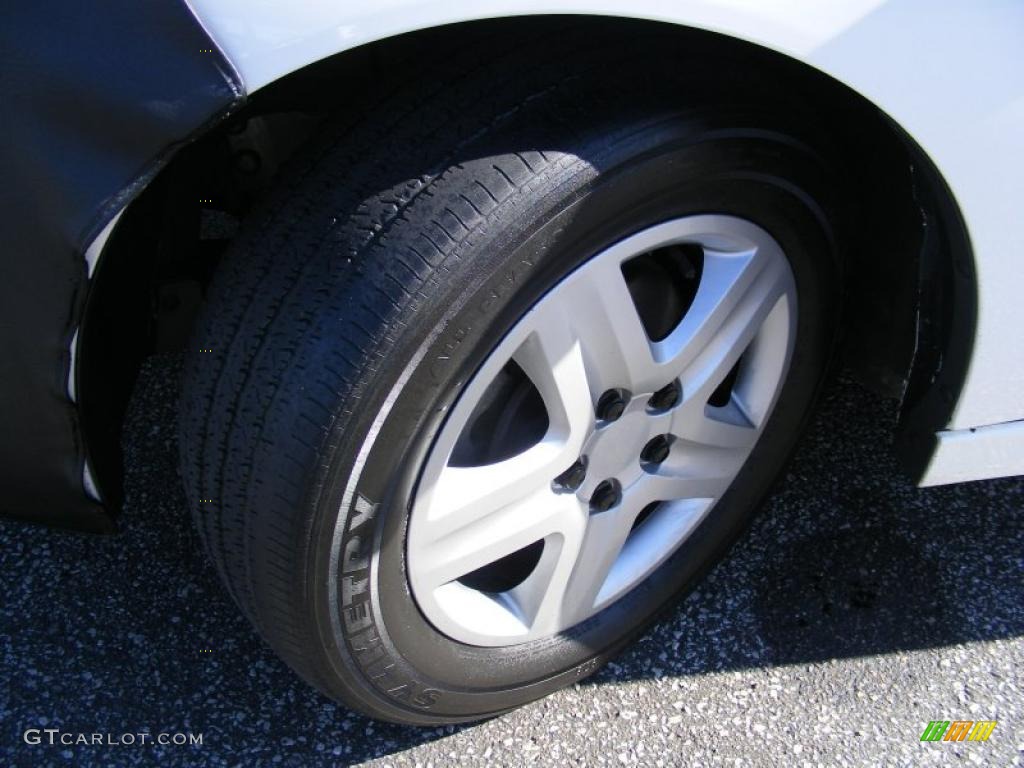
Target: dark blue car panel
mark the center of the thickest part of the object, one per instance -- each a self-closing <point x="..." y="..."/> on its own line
<point x="94" y="99"/>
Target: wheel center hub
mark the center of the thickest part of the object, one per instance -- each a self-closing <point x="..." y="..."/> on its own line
<point x="613" y="451"/>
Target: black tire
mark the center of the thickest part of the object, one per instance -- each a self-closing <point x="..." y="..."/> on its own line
<point x="354" y="306"/>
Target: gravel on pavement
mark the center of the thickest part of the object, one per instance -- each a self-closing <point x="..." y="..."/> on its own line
<point x="857" y="609"/>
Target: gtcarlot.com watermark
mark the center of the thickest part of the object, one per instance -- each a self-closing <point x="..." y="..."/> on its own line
<point x="57" y="737"/>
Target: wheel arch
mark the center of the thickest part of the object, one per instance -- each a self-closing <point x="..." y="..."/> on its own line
<point x="912" y="340"/>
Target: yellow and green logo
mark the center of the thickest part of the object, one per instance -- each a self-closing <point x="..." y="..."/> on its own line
<point x="958" y="730"/>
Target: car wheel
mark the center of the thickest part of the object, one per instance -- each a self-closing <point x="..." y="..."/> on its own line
<point x="499" y="373"/>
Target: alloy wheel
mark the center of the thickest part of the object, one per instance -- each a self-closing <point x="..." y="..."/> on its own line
<point x="601" y="430"/>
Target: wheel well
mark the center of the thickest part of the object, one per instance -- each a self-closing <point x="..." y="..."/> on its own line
<point x="910" y="283"/>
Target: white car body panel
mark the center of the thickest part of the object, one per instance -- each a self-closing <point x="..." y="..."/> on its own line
<point x="950" y="74"/>
<point x="977" y="454"/>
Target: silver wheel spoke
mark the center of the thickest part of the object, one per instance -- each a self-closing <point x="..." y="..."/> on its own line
<point x="540" y="599"/>
<point x="491" y="537"/>
<point x="709" y="431"/>
<point x="552" y="357"/>
<point x="743" y="295"/>
<point x="603" y="315"/>
<point x="746" y="293"/>
<point x="464" y="496"/>
<point x="574" y="598"/>
<point x="687" y="483"/>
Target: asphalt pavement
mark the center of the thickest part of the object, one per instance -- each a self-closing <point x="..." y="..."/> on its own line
<point x="858" y="609"/>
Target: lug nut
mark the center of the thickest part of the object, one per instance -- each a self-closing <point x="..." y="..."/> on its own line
<point x="656" y="450"/>
<point x="570" y="480"/>
<point x="666" y="397"/>
<point x="607" y="494"/>
<point x="611" y="405"/>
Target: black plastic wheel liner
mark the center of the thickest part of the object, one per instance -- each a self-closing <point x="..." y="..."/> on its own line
<point x="94" y="99"/>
